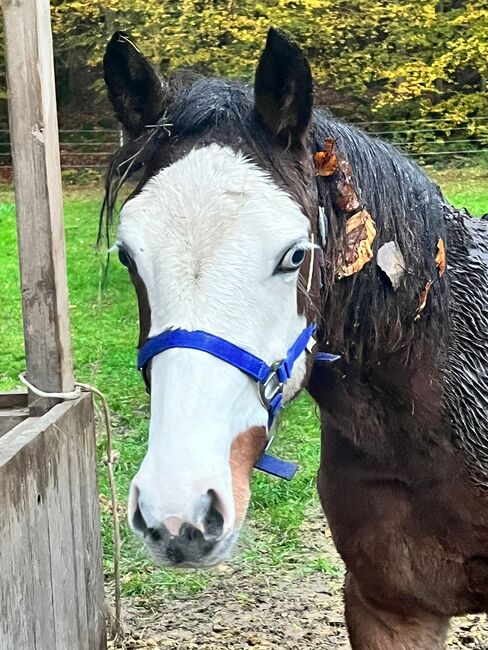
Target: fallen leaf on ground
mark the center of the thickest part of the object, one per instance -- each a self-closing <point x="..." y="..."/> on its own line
<point x="358" y="238"/>
<point x="391" y="261"/>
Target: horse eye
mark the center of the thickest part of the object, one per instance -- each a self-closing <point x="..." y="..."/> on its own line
<point x="292" y="259"/>
<point x="125" y="259"/>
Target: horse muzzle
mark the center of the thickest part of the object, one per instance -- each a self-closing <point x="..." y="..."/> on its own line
<point x="200" y="537"/>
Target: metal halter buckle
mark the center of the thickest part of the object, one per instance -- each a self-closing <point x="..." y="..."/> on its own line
<point x="271" y="386"/>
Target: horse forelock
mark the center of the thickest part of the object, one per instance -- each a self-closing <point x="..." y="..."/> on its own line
<point x="202" y="111"/>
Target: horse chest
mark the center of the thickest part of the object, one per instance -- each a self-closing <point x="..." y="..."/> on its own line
<point x="398" y="497"/>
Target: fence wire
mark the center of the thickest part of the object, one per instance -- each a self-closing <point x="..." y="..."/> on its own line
<point x="419" y="138"/>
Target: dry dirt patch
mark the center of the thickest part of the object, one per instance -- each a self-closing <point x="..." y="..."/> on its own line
<point x="277" y="609"/>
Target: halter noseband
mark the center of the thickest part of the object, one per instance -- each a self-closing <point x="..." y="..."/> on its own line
<point x="270" y="378"/>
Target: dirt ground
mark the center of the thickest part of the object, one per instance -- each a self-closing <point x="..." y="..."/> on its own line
<point x="277" y="609"/>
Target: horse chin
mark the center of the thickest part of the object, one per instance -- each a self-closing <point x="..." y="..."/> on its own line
<point x="219" y="555"/>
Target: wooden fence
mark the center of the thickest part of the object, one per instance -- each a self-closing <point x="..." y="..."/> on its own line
<point x="51" y="577"/>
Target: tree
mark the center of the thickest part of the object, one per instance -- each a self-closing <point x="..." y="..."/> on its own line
<point x="395" y="58"/>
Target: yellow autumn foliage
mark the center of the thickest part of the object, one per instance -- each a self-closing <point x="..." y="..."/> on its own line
<point x="396" y="57"/>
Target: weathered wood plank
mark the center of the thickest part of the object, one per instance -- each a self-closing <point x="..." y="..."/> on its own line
<point x="79" y="497"/>
<point x="16" y="585"/>
<point x="10" y="418"/>
<point x="57" y="440"/>
<point x="93" y="542"/>
<point x="13" y="400"/>
<point x="35" y="152"/>
<point x="51" y="579"/>
<point x="40" y="559"/>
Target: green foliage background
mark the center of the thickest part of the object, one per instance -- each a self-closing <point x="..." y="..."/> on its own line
<point x="416" y="58"/>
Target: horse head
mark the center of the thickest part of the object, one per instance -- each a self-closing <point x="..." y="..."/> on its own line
<point x="217" y="238"/>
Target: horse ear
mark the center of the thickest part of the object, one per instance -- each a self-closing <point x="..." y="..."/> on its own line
<point x="134" y="88"/>
<point x="283" y="89"/>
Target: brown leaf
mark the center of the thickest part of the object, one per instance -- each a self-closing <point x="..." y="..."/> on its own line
<point x="358" y="238"/>
<point x="423" y="299"/>
<point x="346" y="169"/>
<point x="326" y="161"/>
<point x="440" y="258"/>
<point x="348" y="199"/>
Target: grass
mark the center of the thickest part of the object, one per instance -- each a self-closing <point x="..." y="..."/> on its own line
<point x="465" y="188"/>
<point x="104" y="328"/>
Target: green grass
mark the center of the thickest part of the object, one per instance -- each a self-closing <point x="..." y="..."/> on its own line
<point x="465" y="188"/>
<point x="104" y="327"/>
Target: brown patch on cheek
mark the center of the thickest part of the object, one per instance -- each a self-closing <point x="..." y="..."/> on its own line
<point x="245" y="451"/>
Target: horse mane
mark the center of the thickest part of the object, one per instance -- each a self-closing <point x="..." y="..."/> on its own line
<point x="362" y="317"/>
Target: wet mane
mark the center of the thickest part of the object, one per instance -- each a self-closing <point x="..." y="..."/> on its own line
<point x="367" y="317"/>
<point x="408" y="209"/>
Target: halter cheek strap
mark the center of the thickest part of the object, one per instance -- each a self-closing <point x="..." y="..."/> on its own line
<point x="270" y="378"/>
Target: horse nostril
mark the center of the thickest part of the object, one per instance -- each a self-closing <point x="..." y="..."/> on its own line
<point x="154" y="534"/>
<point x="214" y="520"/>
<point x="192" y="534"/>
<point x="138" y="521"/>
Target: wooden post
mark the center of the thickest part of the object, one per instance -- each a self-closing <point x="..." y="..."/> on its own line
<point x="38" y="197"/>
<point x="51" y="574"/>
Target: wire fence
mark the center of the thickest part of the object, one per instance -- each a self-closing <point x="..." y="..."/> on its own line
<point x="431" y="138"/>
<point x="426" y="139"/>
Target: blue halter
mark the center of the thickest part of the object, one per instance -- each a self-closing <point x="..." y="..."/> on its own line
<point x="270" y="378"/>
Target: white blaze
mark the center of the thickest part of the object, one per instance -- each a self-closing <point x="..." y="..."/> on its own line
<point x="206" y="235"/>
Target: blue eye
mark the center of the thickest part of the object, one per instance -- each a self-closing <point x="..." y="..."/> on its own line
<point x="292" y="259"/>
<point x="297" y="257"/>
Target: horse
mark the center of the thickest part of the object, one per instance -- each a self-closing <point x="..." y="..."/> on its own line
<point x="263" y="236"/>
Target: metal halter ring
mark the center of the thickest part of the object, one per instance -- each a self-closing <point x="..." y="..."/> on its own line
<point x="271" y="386"/>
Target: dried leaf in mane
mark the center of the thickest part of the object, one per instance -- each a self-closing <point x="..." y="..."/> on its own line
<point x="423" y="299"/>
<point x="326" y="161"/>
<point x="391" y="262"/>
<point x="358" y="238"/>
<point x="348" y="199"/>
<point x="440" y="258"/>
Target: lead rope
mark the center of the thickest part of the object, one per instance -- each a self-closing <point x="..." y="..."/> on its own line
<point x="116" y="624"/>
